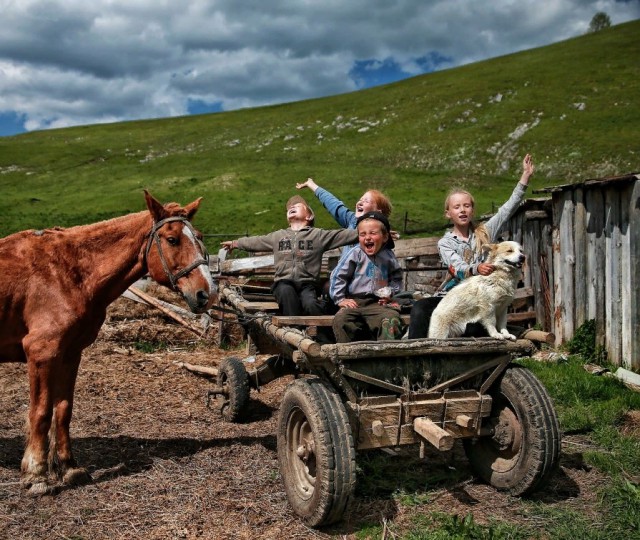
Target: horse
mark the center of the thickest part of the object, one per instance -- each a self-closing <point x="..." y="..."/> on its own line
<point x="55" y="289"/>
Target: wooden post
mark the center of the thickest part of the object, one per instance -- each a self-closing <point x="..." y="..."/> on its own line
<point x="437" y="436"/>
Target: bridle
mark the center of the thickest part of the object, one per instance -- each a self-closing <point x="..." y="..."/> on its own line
<point x="153" y="236"/>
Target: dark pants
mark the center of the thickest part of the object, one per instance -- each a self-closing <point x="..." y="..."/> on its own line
<point x="297" y="299"/>
<point x="420" y="317"/>
<point x="369" y="321"/>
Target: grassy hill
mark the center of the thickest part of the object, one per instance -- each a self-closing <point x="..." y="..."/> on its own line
<point x="574" y="105"/>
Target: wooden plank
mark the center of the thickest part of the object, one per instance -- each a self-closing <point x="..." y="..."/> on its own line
<point x="580" y="251"/>
<point x="625" y="277"/>
<point x="389" y="413"/>
<point x="524" y="292"/>
<point x="568" y="262"/>
<point x="522" y="316"/>
<point x="416" y="247"/>
<point x="547" y="276"/>
<point x="253" y="307"/>
<point x="631" y="308"/>
<point x="594" y="268"/>
<point x="233" y="266"/>
<point x="612" y="283"/>
<point x="536" y="214"/>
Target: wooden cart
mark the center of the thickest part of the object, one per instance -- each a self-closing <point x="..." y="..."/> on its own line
<point x="356" y="396"/>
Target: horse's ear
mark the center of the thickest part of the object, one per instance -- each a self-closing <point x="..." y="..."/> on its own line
<point x="192" y="208"/>
<point x="155" y="207"/>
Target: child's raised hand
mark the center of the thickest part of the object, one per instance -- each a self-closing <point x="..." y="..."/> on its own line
<point x="527" y="169"/>
<point x="308" y="184"/>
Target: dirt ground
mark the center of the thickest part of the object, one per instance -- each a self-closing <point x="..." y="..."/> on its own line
<point x="164" y="465"/>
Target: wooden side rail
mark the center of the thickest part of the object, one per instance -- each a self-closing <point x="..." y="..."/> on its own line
<point x="327" y="320"/>
<point x="313" y="320"/>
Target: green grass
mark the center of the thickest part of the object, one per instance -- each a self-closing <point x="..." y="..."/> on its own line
<point x="150" y="346"/>
<point x="413" y="139"/>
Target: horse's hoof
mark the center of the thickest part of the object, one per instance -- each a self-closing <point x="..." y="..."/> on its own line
<point x="76" y="477"/>
<point x="38" y="489"/>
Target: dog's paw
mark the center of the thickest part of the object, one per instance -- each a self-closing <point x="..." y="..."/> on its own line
<point x="506" y="335"/>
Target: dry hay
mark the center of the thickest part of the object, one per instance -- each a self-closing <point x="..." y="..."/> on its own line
<point x="166" y="466"/>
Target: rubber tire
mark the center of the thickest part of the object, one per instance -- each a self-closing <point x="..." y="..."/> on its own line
<point x="530" y="448"/>
<point x="320" y="485"/>
<point x="232" y="376"/>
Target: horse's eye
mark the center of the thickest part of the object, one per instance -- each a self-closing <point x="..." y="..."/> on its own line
<point x="172" y="240"/>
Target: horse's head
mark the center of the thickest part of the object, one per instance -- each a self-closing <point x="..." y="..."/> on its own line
<point x="176" y="256"/>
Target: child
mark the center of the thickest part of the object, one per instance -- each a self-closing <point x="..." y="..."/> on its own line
<point x="372" y="200"/>
<point x="364" y="281"/>
<point x="460" y="249"/>
<point x="298" y="254"/>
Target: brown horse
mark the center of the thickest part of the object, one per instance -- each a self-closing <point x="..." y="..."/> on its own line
<point x="55" y="288"/>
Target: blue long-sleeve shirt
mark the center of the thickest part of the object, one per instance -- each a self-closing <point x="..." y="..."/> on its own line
<point x="345" y="217"/>
<point x="358" y="275"/>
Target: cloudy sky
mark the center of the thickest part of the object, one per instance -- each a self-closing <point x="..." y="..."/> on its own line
<point x="72" y="62"/>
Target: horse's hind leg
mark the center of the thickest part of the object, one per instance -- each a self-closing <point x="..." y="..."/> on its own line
<point x="61" y="458"/>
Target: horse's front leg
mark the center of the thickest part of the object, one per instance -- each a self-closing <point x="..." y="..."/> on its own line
<point x="34" y="466"/>
<point x="61" y="460"/>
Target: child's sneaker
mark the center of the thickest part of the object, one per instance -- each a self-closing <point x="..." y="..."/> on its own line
<point x="391" y="329"/>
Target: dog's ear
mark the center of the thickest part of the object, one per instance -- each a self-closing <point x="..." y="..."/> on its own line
<point x="489" y="252"/>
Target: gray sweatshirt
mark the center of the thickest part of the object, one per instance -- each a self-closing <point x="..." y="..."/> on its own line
<point x="298" y="254"/>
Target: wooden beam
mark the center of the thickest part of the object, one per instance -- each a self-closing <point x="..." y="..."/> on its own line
<point x="522" y="316"/>
<point x="433" y="433"/>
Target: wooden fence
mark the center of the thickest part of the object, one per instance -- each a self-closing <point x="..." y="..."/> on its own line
<point x="596" y="238"/>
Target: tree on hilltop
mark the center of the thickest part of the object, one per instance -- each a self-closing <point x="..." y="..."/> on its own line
<point x="599" y="22"/>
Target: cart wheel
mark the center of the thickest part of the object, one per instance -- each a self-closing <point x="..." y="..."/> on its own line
<point x="316" y="453"/>
<point x="232" y="377"/>
<point x="525" y="447"/>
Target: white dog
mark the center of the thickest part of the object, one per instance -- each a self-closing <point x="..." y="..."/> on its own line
<point x="482" y="299"/>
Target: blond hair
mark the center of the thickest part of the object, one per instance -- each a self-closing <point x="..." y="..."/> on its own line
<point x="457" y="191"/>
<point x="480" y="231"/>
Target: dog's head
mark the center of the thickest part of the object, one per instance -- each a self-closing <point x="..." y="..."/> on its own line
<point x="505" y="253"/>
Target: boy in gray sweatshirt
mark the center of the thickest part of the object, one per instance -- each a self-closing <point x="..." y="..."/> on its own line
<point x="297" y="252"/>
